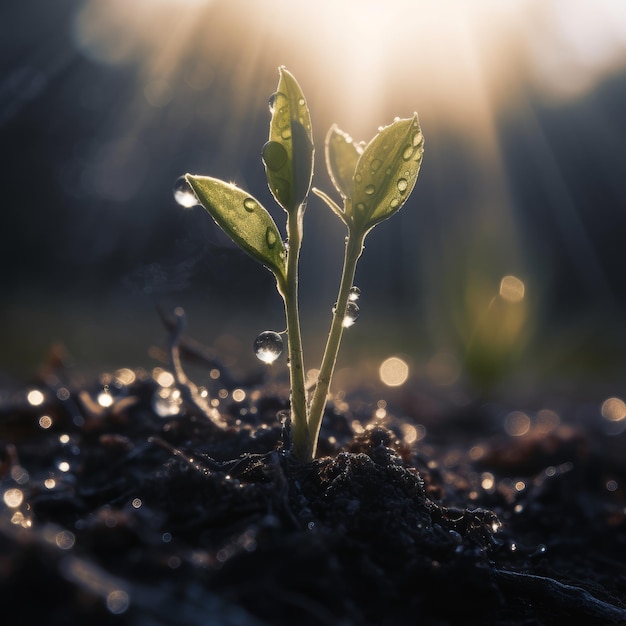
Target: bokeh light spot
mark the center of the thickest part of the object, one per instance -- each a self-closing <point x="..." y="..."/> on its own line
<point x="13" y="498"/>
<point x="512" y="289"/>
<point x="394" y="371"/>
<point x="516" y="424"/>
<point x="613" y="409"/>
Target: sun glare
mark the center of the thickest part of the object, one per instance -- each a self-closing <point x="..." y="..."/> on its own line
<point x="377" y="58"/>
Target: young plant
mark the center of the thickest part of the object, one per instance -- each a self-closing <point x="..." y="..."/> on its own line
<point x="373" y="180"/>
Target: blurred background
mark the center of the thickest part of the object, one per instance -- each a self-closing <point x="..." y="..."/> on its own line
<point x="503" y="274"/>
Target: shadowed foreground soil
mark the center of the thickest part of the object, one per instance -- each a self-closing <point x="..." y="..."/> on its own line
<point x="145" y="512"/>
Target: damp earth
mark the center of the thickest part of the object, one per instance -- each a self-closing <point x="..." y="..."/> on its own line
<point x="141" y="499"/>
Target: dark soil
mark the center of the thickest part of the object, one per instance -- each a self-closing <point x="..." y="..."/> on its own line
<point x="160" y="519"/>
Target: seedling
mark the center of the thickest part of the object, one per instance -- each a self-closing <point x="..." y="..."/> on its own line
<point x="373" y="180"/>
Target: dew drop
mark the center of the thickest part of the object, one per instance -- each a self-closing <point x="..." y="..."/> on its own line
<point x="270" y="237"/>
<point x="274" y="155"/>
<point x="351" y="315"/>
<point x="402" y="185"/>
<point x="301" y="102"/>
<point x="394" y="203"/>
<point x="355" y="294"/>
<point x="376" y="163"/>
<point x="268" y="346"/>
<point x="249" y="204"/>
<point x="286" y="133"/>
<point x="370" y="189"/>
<point x="358" y="178"/>
<point x="183" y="193"/>
<point x="272" y="102"/>
<point x="417" y="139"/>
<point x="408" y="153"/>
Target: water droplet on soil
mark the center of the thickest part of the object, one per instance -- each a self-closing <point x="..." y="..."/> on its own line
<point x="183" y="193"/>
<point x="268" y="346"/>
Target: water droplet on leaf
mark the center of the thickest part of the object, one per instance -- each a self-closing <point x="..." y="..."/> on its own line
<point x="270" y="237"/>
<point x="274" y="155"/>
<point x="402" y="185"/>
<point x="272" y="102"/>
<point x="286" y="133"/>
<point x="268" y="346"/>
<point x="358" y="178"/>
<point x="355" y="294"/>
<point x="394" y="203"/>
<point x="408" y="153"/>
<point x="370" y="189"/>
<point x="249" y="205"/>
<point x="183" y="193"/>
<point x="376" y="164"/>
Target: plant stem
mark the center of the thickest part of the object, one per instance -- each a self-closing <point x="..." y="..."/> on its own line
<point x="354" y="248"/>
<point x="302" y="444"/>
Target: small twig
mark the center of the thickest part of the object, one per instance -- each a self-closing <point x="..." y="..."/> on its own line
<point x="567" y="597"/>
<point x="188" y="390"/>
<point x="194" y="352"/>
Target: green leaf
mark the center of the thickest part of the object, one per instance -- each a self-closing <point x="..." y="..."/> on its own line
<point x="243" y="219"/>
<point x="288" y="155"/>
<point x="386" y="172"/>
<point x="342" y="155"/>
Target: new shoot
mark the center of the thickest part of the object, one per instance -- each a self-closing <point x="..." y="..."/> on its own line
<point x="373" y="182"/>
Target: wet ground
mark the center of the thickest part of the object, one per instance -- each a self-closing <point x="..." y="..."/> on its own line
<point x="140" y="499"/>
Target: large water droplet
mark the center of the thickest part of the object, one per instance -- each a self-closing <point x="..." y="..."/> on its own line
<point x="351" y="315"/>
<point x="249" y="204"/>
<point x="370" y="189"/>
<point x="183" y="193"/>
<point x="274" y="155"/>
<point x="402" y="185"/>
<point x="268" y="346"/>
<point x="417" y="139"/>
<point x="355" y="293"/>
<point x="408" y="153"/>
